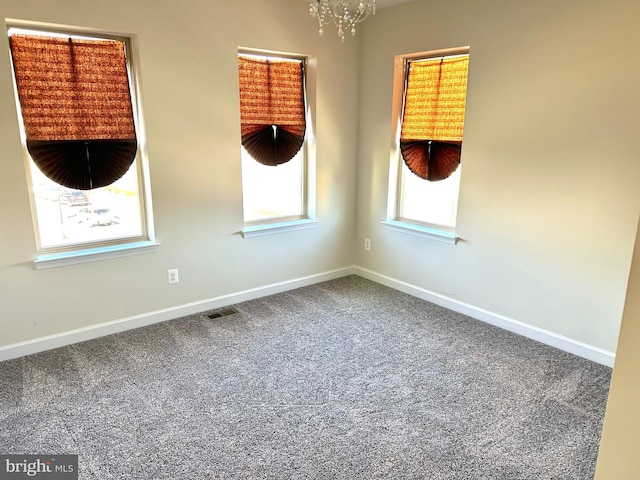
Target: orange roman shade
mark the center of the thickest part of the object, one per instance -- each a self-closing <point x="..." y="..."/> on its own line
<point x="272" y="108"/>
<point x="433" y="118"/>
<point x="76" y="108"/>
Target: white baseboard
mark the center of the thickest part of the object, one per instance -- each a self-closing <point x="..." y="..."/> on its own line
<point x="552" y="339"/>
<point x="49" y="342"/>
<point x="566" y="344"/>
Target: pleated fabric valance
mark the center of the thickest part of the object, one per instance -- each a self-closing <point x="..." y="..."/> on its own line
<point x="433" y="118"/>
<point x="272" y="108"/>
<point x="76" y="108"/>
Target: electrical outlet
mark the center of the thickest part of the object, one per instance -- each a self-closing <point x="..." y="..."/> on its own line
<point x="367" y="244"/>
<point x="172" y="275"/>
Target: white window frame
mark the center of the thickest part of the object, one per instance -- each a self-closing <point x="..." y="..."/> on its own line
<point x="81" y="252"/>
<point x="393" y="219"/>
<point x="308" y="217"/>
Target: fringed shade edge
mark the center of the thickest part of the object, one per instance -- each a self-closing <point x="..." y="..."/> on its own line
<point x="83" y="164"/>
<point x="431" y="160"/>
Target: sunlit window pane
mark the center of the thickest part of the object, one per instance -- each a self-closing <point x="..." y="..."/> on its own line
<point x="271" y="193"/>
<point x="68" y="217"/>
<point x="433" y="203"/>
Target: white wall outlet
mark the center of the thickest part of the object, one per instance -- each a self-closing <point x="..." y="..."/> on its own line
<point x="172" y="275"/>
<point x="367" y="244"/>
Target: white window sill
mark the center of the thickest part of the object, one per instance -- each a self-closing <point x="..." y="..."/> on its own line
<point x="94" y="254"/>
<point x="278" y="227"/>
<point x="431" y="233"/>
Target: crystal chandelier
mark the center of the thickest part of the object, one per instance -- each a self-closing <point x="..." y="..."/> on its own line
<point x="344" y="14"/>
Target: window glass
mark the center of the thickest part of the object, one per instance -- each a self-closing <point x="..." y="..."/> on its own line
<point x="272" y="192"/>
<point x="436" y="101"/>
<point x="431" y="203"/>
<point x="272" y="112"/>
<point x="67" y="217"/>
<point x="69" y="220"/>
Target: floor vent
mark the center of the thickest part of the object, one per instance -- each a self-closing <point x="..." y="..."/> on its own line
<point x="223" y="313"/>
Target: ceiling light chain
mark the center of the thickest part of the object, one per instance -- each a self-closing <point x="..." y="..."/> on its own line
<point x="344" y="14"/>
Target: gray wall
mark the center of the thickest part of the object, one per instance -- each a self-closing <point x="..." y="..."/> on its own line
<point x="549" y="197"/>
<point x="549" y="191"/>
<point x="187" y="52"/>
<point x="618" y="456"/>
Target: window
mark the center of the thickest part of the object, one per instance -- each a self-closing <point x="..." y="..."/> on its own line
<point x="429" y="107"/>
<point x="81" y="132"/>
<point x="276" y="155"/>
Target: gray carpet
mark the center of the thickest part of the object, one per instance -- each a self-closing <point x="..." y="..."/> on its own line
<point x="344" y="379"/>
